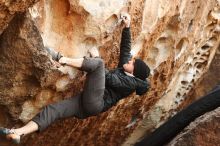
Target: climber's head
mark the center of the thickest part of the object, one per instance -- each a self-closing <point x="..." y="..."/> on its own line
<point x="138" y="68"/>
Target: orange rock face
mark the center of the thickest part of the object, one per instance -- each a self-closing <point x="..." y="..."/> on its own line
<point x="8" y="9"/>
<point x="177" y="39"/>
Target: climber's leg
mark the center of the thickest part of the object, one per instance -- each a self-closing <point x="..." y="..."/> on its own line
<point x="57" y="56"/>
<point x="92" y="99"/>
<point x="30" y="127"/>
<point x="50" y="113"/>
<point x="93" y="91"/>
<point x="73" y="62"/>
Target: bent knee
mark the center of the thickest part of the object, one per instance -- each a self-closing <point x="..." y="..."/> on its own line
<point x="92" y="109"/>
<point x="100" y="62"/>
<point x="92" y="64"/>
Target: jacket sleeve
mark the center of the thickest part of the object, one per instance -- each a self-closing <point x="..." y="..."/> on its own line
<point x="142" y="87"/>
<point x="125" y="47"/>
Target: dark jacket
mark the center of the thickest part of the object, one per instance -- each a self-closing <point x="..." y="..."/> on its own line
<point x="119" y="85"/>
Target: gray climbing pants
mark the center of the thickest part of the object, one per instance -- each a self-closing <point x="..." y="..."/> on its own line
<point x="89" y="103"/>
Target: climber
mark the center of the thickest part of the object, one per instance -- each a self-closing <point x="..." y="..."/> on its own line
<point x="102" y="90"/>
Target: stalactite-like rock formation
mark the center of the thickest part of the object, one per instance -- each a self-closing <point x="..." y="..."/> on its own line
<point x="177" y="39"/>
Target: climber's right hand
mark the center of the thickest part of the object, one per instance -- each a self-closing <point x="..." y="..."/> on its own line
<point x="126" y="19"/>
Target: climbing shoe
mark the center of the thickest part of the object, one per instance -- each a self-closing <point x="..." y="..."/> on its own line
<point x="10" y="135"/>
<point x="55" y="55"/>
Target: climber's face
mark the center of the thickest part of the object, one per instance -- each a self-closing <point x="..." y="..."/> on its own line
<point x="129" y="67"/>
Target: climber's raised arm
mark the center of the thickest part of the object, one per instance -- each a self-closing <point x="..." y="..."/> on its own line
<point x="125" y="46"/>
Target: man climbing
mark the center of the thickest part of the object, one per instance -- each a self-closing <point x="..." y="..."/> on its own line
<point x="110" y="87"/>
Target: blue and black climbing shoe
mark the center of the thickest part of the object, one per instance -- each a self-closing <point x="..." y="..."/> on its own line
<point x="10" y="135"/>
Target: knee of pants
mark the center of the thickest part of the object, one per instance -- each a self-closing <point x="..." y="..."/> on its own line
<point x="92" y="109"/>
<point x="100" y="62"/>
<point x="53" y="111"/>
<point x="92" y="64"/>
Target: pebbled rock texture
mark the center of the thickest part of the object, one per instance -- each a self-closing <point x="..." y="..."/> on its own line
<point x="9" y="8"/>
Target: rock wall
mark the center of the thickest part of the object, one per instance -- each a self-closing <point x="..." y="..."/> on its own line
<point x="210" y="78"/>
<point x="9" y="8"/>
<point x="204" y="131"/>
<point x="177" y="39"/>
<point x="186" y="28"/>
